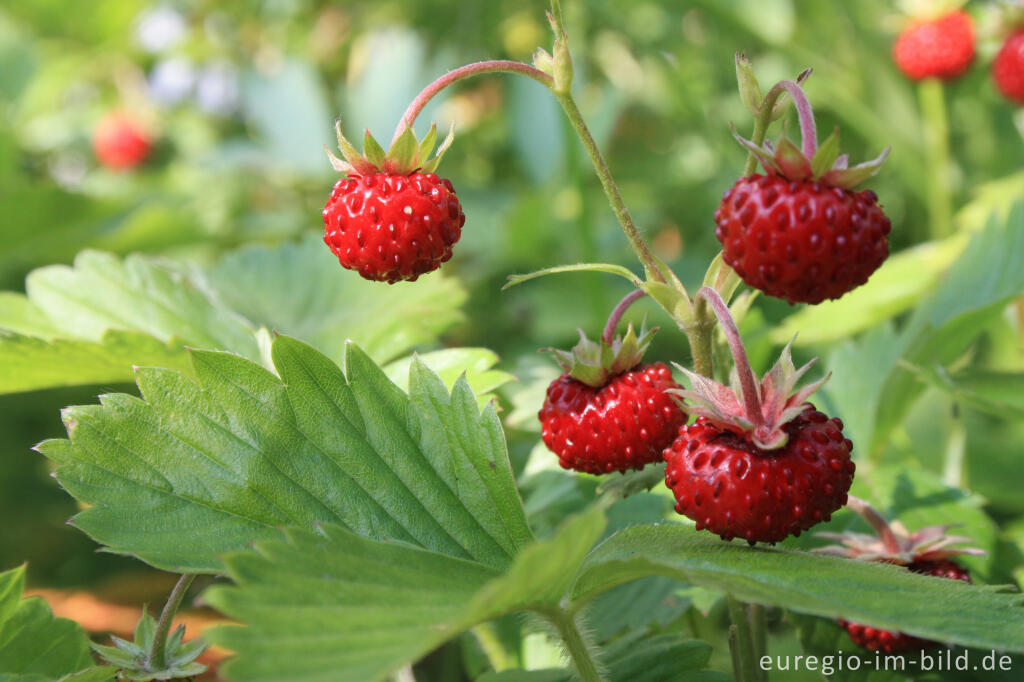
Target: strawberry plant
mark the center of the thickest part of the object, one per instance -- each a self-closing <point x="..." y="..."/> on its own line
<point x="348" y="501"/>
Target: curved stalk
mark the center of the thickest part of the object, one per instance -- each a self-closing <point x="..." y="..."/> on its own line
<point x="748" y="383"/>
<point x="808" y="130"/>
<point x="876" y="521"/>
<point x="163" y="626"/>
<point x="613" y="320"/>
<point x="461" y="73"/>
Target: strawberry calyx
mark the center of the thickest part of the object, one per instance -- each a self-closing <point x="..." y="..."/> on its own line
<point x="406" y="155"/>
<point x="594" y="363"/>
<point x="754" y="409"/>
<point x="892" y="542"/>
<point x="809" y="162"/>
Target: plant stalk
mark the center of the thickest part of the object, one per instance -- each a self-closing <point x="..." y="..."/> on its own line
<point x="584" y="664"/>
<point x="742" y="644"/>
<point x="808" y="131"/>
<point x="156" y="657"/>
<point x="461" y="73"/>
<point x="748" y="383"/>
<point x="936" y="139"/>
<point x="613" y="320"/>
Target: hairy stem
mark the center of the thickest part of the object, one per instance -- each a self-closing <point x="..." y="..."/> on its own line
<point x="461" y="73"/>
<point x="742" y="643"/>
<point x="936" y="139"/>
<point x="163" y="626"/>
<point x="748" y="384"/>
<point x="808" y="132"/>
<point x="701" y="335"/>
<point x="613" y="320"/>
<point x="611" y="190"/>
<point x="876" y="521"/>
<point x="582" y="660"/>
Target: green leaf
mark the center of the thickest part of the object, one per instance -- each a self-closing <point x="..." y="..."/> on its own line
<point x="579" y="267"/>
<point x="237" y="452"/>
<point x="372" y="150"/>
<point x="403" y="152"/>
<point x="876" y="594"/>
<point x="998" y="393"/>
<point x="333" y="605"/>
<point x="451" y="363"/>
<point x="91" y="323"/>
<point x="33" y="643"/>
<point x="299" y="289"/>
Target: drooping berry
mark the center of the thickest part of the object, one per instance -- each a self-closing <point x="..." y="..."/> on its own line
<point x="120" y="142"/>
<point x="1008" y="68"/>
<point x="941" y="47"/>
<point x="624" y="424"/>
<point x="607" y="412"/>
<point x="392" y="218"/>
<point x="926" y="551"/>
<point x="760" y="463"/>
<point x="799" y="232"/>
<point x="729" y="485"/>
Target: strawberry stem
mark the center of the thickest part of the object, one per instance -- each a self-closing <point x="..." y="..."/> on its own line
<point x="155" y="660"/>
<point x="613" y="320"/>
<point x="461" y="73"/>
<point x="748" y="382"/>
<point x="808" y="129"/>
<point x="876" y="521"/>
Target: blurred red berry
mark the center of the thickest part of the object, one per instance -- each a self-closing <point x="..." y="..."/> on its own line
<point x="940" y="48"/>
<point x="1008" y="68"/>
<point x="119" y="142"/>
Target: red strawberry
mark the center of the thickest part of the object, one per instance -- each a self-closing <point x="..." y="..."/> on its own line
<point x="119" y="142"/>
<point x="800" y="233"/>
<point x="936" y="48"/>
<point x="392" y="218"/>
<point x="608" y="412"/>
<point x="1008" y="68"/>
<point x="623" y="424"/>
<point x="926" y="551"/>
<point x="731" y="486"/>
<point x="760" y="463"/>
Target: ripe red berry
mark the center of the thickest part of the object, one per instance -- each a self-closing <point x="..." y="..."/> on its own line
<point x="925" y="551"/>
<point x="119" y="142"/>
<point x="392" y="218"/>
<point x="391" y="227"/>
<point x="730" y="486"/>
<point x="623" y="424"/>
<point x="801" y="241"/>
<point x="1008" y="68"/>
<point x="936" y="48"/>
<point x="889" y="642"/>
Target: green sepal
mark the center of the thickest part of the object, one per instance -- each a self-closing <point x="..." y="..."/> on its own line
<point x="406" y="155"/>
<point x="826" y="156"/>
<point x="132" y="658"/>
<point x="543" y="61"/>
<point x="595" y="362"/>
<point x="791" y="161"/>
<point x="750" y="90"/>
<point x="404" y="152"/>
<point x="372" y="150"/>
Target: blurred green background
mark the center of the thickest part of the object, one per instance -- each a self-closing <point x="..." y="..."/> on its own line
<point x="240" y="98"/>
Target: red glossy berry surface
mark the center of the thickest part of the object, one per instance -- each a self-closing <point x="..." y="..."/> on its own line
<point x="119" y="142"/>
<point x="886" y="641"/>
<point x="1008" y="68"/>
<point x="940" y="48"/>
<point x="391" y="227"/>
<point x="737" y="490"/>
<point x="625" y="424"/>
<point x="801" y="241"/>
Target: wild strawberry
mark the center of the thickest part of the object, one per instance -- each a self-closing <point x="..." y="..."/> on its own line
<point x="926" y="551"/>
<point x="941" y="47"/>
<point x="608" y="412"/>
<point x="760" y="463"/>
<point x="1008" y="68"/>
<point x="119" y="142"/>
<point x="392" y="218"/>
<point x="800" y="233"/>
